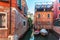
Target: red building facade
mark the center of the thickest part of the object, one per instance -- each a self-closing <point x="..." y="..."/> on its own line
<point x="57" y="8"/>
<point x="13" y="21"/>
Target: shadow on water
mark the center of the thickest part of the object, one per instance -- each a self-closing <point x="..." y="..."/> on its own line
<point x="27" y="35"/>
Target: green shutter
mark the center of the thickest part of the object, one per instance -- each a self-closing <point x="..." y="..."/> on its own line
<point x="19" y="3"/>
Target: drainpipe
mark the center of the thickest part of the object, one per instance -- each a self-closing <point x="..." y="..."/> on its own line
<point x="10" y="16"/>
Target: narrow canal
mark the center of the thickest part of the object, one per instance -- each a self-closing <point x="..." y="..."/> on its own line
<point x="27" y="36"/>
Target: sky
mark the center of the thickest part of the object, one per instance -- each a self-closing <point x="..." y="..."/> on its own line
<point x="31" y="4"/>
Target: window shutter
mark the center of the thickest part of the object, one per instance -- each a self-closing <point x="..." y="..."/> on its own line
<point x="19" y="4"/>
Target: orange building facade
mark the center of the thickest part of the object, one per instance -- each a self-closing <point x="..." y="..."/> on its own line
<point x="44" y="21"/>
<point x="13" y="21"/>
<point x="43" y="17"/>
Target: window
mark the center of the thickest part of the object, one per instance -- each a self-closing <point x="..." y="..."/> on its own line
<point x="48" y="15"/>
<point x="59" y="1"/>
<point x="25" y="11"/>
<point x="38" y="15"/>
<point x="59" y="15"/>
<point x="19" y="4"/>
<point x="24" y="23"/>
<point x="59" y="8"/>
<point x="3" y="20"/>
<point x="39" y="23"/>
<point x="48" y="23"/>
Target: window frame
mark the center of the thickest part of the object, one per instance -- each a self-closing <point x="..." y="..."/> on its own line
<point x="58" y="1"/>
<point x="25" y="23"/>
<point x="48" y="15"/>
<point x="25" y="11"/>
<point x="19" y="4"/>
<point x="48" y="23"/>
<point x="38" y="15"/>
<point x="59" y="8"/>
<point x="39" y="23"/>
<point x="5" y="22"/>
<point x="59" y="15"/>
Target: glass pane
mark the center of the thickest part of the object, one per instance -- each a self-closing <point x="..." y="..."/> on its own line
<point x="59" y="15"/>
<point x="0" y="20"/>
<point x="24" y="23"/>
<point x="59" y="1"/>
<point x="59" y="8"/>
<point x="38" y="15"/>
<point x="48" y="15"/>
<point x="19" y="4"/>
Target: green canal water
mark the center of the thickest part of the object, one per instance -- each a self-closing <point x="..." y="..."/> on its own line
<point x="27" y="36"/>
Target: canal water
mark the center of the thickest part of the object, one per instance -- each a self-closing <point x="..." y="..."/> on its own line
<point x="27" y="36"/>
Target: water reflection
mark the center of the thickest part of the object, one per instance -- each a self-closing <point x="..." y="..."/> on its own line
<point x="29" y="36"/>
<point x="32" y="37"/>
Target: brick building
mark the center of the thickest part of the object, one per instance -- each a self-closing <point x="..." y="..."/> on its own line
<point x="43" y="17"/>
<point x="57" y="12"/>
<point x="13" y="20"/>
<point x="57" y="8"/>
<point x="56" y="27"/>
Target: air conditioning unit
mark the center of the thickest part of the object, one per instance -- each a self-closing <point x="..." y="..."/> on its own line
<point x="10" y="37"/>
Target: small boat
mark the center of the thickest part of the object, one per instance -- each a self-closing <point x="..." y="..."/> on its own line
<point x="44" y="32"/>
<point x="36" y="32"/>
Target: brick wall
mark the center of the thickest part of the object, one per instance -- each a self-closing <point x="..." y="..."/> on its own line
<point x="56" y="8"/>
<point x="16" y="19"/>
<point x="20" y="29"/>
<point x="4" y="32"/>
<point x="44" y="19"/>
